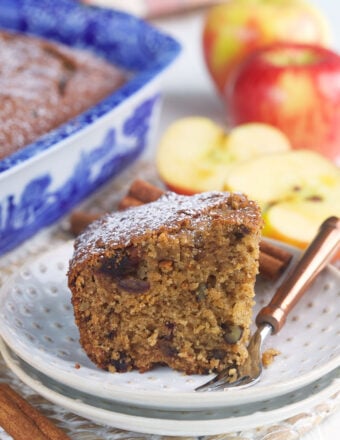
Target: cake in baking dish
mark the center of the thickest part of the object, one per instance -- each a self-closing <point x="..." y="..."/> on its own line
<point x="44" y="84"/>
<point x="168" y="283"/>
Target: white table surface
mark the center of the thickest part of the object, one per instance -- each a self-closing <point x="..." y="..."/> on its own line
<point x="189" y="91"/>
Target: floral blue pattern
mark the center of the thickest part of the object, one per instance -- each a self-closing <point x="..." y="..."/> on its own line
<point x="31" y="203"/>
<point x="39" y="205"/>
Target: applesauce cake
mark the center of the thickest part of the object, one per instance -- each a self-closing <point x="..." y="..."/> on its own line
<point x="168" y="283"/>
<point x="44" y="84"/>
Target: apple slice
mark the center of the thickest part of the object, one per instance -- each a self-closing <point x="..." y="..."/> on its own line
<point x="296" y="190"/>
<point x="297" y="222"/>
<point x="296" y="174"/>
<point x="254" y="139"/>
<point x="195" y="154"/>
<point x="182" y="151"/>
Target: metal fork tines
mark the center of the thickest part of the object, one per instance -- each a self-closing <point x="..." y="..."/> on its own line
<point x="272" y="317"/>
<point x="246" y="374"/>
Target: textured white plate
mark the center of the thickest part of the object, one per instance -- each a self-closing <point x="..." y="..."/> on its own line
<point x="36" y="321"/>
<point x="153" y="421"/>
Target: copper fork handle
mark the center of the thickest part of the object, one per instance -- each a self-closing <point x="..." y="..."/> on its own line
<point x="314" y="259"/>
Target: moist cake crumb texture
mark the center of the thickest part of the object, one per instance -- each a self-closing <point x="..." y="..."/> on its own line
<point x="168" y="283"/>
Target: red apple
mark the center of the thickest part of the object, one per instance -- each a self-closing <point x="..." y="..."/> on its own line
<point x="294" y="87"/>
<point x="233" y="29"/>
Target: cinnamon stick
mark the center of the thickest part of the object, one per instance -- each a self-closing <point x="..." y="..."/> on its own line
<point x="275" y="251"/>
<point x="144" y="191"/>
<point x="128" y="202"/>
<point x="271" y="267"/>
<point x="140" y="192"/>
<point x="272" y="262"/>
<point x="79" y="220"/>
<point x="22" y="421"/>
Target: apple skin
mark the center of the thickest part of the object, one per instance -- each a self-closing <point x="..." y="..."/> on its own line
<point x="296" y="190"/>
<point x="196" y="154"/>
<point x="234" y="29"/>
<point x="294" y="87"/>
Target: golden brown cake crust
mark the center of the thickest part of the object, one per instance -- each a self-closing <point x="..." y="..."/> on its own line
<point x="44" y="84"/>
<point x="170" y="282"/>
<point x="170" y="213"/>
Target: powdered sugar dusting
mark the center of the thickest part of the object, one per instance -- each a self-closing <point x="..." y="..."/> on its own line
<point x="43" y="84"/>
<point x="172" y="212"/>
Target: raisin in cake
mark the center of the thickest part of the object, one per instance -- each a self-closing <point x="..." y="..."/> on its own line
<point x="170" y="282"/>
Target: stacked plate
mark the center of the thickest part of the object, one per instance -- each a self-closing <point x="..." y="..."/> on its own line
<point x="40" y="344"/>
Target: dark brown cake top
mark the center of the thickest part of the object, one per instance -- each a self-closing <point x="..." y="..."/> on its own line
<point x="43" y="84"/>
<point x="171" y="213"/>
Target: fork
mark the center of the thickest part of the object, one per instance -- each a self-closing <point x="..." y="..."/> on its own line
<point x="272" y="317"/>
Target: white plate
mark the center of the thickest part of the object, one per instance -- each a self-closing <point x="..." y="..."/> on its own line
<point x="36" y="321"/>
<point x="162" y="422"/>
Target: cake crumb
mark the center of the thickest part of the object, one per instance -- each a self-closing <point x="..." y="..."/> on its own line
<point x="268" y="356"/>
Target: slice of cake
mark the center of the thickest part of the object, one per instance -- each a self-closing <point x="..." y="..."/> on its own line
<point x="170" y="282"/>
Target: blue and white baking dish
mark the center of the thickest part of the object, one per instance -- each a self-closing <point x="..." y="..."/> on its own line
<point x="46" y="179"/>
